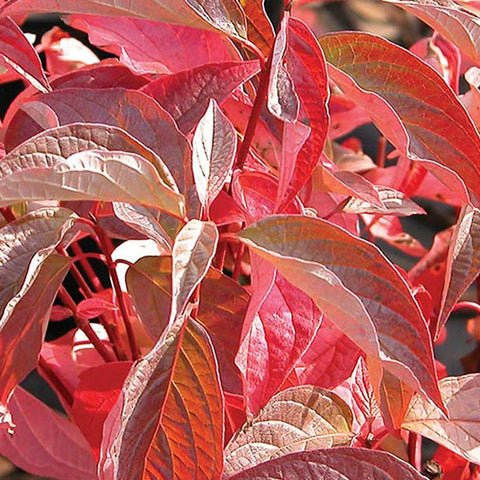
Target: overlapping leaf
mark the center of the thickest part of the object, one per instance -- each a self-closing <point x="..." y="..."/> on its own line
<point x="19" y="54"/>
<point x="342" y="462"/>
<point x="214" y="147"/>
<point x="56" y="164"/>
<point x="451" y="20"/>
<point x="173" y="398"/>
<point x="192" y="255"/>
<point x="45" y="442"/>
<point x="299" y="70"/>
<point x="140" y="43"/>
<point x="185" y="95"/>
<point x="409" y="102"/>
<point x="224" y="15"/>
<point x="462" y="264"/>
<point x="133" y="111"/>
<point x="297" y="419"/>
<point x="25" y="317"/>
<point x="356" y="287"/>
<point x="461" y="432"/>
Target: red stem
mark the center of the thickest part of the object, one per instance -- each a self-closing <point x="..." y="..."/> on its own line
<point x="85" y="327"/>
<point x="381" y="151"/>
<point x="87" y="268"/>
<point x="256" y="111"/>
<point x="7" y="214"/>
<point x="414" y="449"/>
<point x="107" y="248"/>
<point x="237" y="269"/>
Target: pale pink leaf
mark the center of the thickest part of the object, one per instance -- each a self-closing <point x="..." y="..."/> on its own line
<point x="133" y="111"/>
<point x="192" y="255"/>
<point x="461" y="431"/>
<point x="214" y="147"/>
<point x="343" y="463"/>
<point x="447" y="17"/>
<point x="78" y="165"/>
<point x="185" y="95"/>
<point x="93" y="307"/>
<point x="24" y="322"/>
<point x="298" y="419"/>
<point x="357" y="287"/>
<point x="17" y="52"/>
<point x="45" y="442"/>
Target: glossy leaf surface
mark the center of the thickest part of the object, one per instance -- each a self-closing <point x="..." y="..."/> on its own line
<point x="214" y="147"/>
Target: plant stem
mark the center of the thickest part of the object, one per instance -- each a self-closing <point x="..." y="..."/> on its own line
<point x="469" y="305"/>
<point x="85" y="327"/>
<point x="87" y="268"/>
<point x="256" y="111"/>
<point x="107" y="248"/>
<point x="7" y="214"/>
<point x="414" y="449"/>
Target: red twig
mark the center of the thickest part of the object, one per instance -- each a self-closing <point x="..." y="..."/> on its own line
<point x="87" y="268"/>
<point x="414" y="449"/>
<point x="7" y="214"/>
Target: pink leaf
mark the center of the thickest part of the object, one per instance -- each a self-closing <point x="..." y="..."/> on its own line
<point x="214" y="147"/>
<point x="94" y="397"/>
<point x="329" y="464"/>
<point x="17" y="52"/>
<point x="305" y="67"/>
<point x="139" y="43"/>
<point x="323" y="259"/>
<point x="45" y="442"/>
<point x="93" y="307"/>
<point x="185" y="95"/>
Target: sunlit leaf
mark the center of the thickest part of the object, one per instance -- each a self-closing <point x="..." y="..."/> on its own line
<point x="186" y="95"/>
<point x="224" y="15"/>
<point x="336" y="463"/>
<point x="297" y="419"/>
<point x="173" y="398"/>
<point x="45" y="442"/>
<point x="409" y="102"/>
<point x="56" y="165"/>
<point x="192" y="255"/>
<point x="17" y="52"/>
<point x="356" y="287"/>
<point x="451" y="20"/>
<point x="214" y="146"/>
<point x="461" y="432"/>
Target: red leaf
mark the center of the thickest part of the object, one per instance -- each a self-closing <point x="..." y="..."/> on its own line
<point x="94" y="397"/>
<point x="93" y="307"/>
<point x="185" y="95"/>
<point x="17" y="52"/>
<point x="311" y="253"/>
<point x="409" y="102"/>
<point x="59" y="313"/>
<point x="140" y="43"/>
<point x="342" y="462"/>
<point x="162" y="398"/>
<point x="304" y="64"/>
<point x="45" y="442"/>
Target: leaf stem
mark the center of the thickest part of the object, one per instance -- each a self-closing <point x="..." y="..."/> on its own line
<point x="85" y="327"/>
<point x="87" y="268"/>
<point x="107" y="248"/>
<point x="7" y="214"/>
<point x="414" y="449"/>
<point x="469" y="305"/>
<point x="256" y="111"/>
